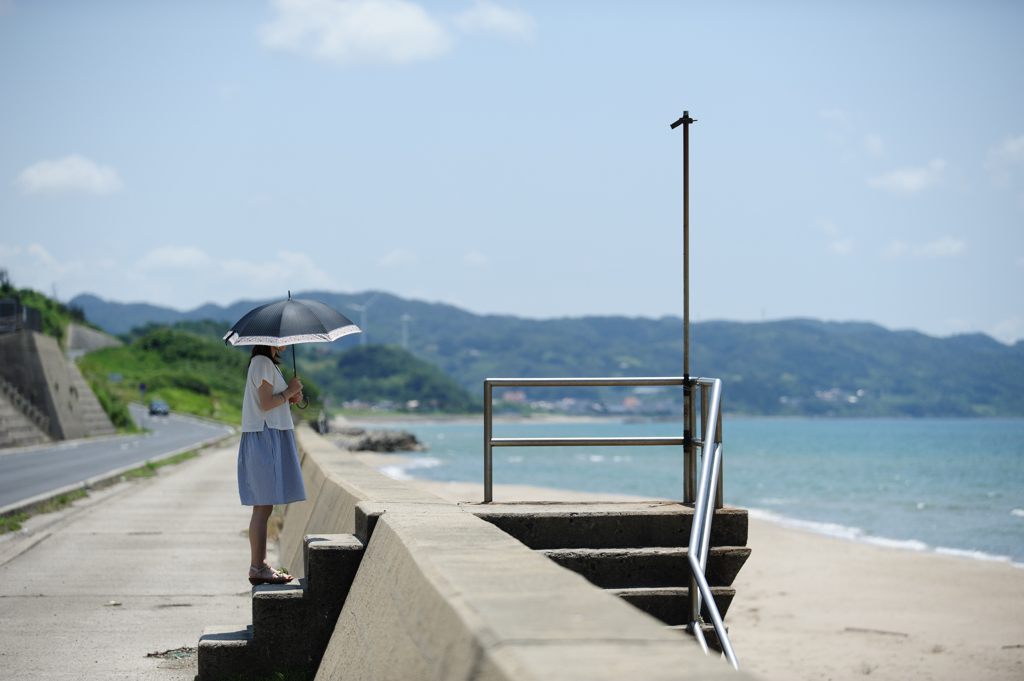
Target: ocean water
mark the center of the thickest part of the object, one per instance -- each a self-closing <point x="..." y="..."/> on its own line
<point x="953" y="486"/>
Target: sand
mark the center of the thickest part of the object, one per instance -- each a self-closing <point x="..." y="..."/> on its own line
<point x="814" y="607"/>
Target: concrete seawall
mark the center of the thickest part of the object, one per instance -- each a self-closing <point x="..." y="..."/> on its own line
<point x="443" y="594"/>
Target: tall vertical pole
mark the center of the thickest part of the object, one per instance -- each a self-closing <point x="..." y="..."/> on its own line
<point x="689" y="401"/>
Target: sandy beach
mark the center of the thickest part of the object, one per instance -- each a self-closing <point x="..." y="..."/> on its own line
<point x="815" y="607"/>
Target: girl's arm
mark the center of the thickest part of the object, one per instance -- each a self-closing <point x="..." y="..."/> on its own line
<point x="268" y="400"/>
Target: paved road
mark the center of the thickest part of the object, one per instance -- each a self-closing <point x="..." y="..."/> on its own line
<point x="28" y="473"/>
<point x="171" y="550"/>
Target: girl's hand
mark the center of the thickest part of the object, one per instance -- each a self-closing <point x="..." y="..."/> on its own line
<point x="296" y="398"/>
<point x="295" y="385"/>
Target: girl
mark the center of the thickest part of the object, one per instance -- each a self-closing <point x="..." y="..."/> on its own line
<point x="268" y="460"/>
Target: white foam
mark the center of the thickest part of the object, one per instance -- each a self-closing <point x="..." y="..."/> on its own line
<point x="400" y="471"/>
<point x="856" y="534"/>
<point x="1019" y="512"/>
<point x="973" y="555"/>
<point x="905" y="544"/>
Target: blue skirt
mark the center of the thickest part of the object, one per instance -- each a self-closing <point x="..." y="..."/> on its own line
<point x="268" y="468"/>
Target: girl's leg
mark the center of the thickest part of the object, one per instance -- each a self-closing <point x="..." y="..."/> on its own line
<point x="258" y="535"/>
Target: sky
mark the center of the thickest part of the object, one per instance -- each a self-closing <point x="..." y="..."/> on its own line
<point x="850" y="161"/>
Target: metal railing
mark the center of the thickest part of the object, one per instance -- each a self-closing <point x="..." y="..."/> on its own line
<point x="30" y="410"/>
<point x="699" y="492"/>
<point x="700" y="530"/>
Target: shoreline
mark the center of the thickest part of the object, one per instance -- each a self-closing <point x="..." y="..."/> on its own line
<point x="814" y="606"/>
<point x="376" y="420"/>
<point x="397" y="466"/>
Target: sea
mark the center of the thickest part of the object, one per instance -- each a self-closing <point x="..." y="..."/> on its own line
<point x="949" y="486"/>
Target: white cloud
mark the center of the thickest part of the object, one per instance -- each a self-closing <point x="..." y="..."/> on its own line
<point x="72" y="175"/>
<point x="356" y="31"/>
<point x="487" y="16"/>
<point x="910" y="180"/>
<point x="828" y="227"/>
<point x="228" y="276"/>
<point x="399" y="257"/>
<point x="1009" y="330"/>
<point x="842" y="246"/>
<point x="839" y="245"/>
<point x="34" y="266"/>
<point x="943" y="247"/>
<point x="174" y="258"/>
<point x="475" y="259"/>
<point x="1003" y="158"/>
<point x="873" y="143"/>
<point x="840" y="116"/>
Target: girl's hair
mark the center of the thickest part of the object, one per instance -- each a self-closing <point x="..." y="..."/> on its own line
<point x="265" y="351"/>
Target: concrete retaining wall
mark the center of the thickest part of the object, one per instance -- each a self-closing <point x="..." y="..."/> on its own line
<point x="34" y="363"/>
<point x="442" y="594"/>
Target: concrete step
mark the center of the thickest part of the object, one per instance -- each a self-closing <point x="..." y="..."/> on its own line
<point x="648" y="566"/>
<point x="291" y="623"/>
<point x="227" y="650"/>
<point x="710" y="635"/>
<point x="17" y="429"/>
<point x="280" y="614"/>
<point x="669" y="603"/>
<point x="559" y="525"/>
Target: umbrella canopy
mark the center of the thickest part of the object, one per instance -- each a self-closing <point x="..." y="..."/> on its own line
<point x="288" y="322"/>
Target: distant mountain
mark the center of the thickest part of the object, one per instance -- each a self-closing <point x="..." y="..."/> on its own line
<point x="788" y="367"/>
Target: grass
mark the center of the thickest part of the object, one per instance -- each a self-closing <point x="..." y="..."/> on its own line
<point x="151" y="467"/>
<point x="13" y="523"/>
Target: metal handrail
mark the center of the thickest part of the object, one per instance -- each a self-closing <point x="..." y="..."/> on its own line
<point x="700" y="493"/>
<point x="700" y="530"/>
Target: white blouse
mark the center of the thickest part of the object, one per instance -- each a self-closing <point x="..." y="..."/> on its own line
<point x="261" y="369"/>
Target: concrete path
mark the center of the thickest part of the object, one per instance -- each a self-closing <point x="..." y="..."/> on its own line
<point x="28" y="472"/>
<point x="171" y="550"/>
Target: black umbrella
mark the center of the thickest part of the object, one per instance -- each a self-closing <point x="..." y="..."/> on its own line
<point x="289" y="322"/>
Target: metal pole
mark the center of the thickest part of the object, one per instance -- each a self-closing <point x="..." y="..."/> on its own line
<point x="719" y="495"/>
<point x="689" y="455"/>
<point x="488" y="490"/>
<point x="689" y="451"/>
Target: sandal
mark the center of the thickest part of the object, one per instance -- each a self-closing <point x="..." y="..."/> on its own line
<point x="275" y="576"/>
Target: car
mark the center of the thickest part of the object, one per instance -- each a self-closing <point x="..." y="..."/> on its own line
<point x="158" y="408"/>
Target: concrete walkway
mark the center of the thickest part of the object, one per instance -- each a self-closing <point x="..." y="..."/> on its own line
<point x="171" y="550"/>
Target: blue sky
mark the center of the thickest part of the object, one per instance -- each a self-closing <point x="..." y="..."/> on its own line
<point x="857" y="161"/>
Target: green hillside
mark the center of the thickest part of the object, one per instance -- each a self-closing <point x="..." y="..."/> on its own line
<point x="192" y="373"/>
<point x="787" y="367"/>
<point x="375" y="373"/>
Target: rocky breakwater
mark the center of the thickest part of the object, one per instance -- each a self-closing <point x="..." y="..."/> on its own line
<point x="361" y="440"/>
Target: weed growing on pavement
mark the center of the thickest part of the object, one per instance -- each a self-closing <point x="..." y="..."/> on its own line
<point x="12" y="523"/>
<point x="63" y="501"/>
<point x="151" y="467"/>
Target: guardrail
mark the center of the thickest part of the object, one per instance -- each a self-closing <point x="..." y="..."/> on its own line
<point x="695" y="491"/>
<point x="27" y="408"/>
<point x="688" y="441"/>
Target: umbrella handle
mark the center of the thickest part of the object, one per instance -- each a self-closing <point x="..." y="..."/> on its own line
<point x="295" y="371"/>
